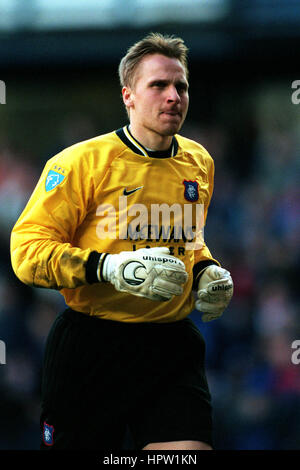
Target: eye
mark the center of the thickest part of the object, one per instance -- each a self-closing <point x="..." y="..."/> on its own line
<point x="181" y="87"/>
<point x="158" y="84"/>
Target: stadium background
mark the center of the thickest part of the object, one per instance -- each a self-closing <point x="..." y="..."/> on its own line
<point x="59" y="63"/>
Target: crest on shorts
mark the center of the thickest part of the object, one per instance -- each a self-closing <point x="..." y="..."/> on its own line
<point x="48" y="434"/>
<point x="191" y="190"/>
<point x="53" y="179"/>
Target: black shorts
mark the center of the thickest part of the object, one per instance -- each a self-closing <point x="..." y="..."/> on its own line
<point x="102" y="377"/>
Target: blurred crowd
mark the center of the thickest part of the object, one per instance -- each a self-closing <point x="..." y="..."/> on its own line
<point x="252" y="228"/>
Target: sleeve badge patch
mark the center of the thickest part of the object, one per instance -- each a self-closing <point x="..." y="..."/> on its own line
<point x="48" y="434"/>
<point x="191" y="190"/>
<point x="53" y="179"/>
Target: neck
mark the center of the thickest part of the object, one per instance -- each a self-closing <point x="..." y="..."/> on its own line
<point x="151" y="140"/>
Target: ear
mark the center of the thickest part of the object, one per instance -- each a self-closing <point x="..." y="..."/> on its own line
<point x="127" y="96"/>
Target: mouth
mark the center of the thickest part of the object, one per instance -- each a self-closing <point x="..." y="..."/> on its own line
<point x="172" y="113"/>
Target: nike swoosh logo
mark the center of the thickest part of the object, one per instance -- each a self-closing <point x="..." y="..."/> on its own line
<point x="127" y="193"/>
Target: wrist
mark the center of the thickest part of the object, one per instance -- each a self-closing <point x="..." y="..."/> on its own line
<point x="94" y="267"/>
<point x="91" y="267"/>
<point x="106" y="267"/>
<point x="199" y="269"/>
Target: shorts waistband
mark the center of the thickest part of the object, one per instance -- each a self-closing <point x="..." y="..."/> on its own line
<point x="78" y="317"/>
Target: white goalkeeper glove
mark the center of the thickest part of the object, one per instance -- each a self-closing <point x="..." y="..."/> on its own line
<point x="148" y="272"/>
<point x="214" y="293"/>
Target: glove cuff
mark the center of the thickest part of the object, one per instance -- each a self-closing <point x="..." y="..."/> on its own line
<point x="198" y="270"/>
<point x="93" y="267"/>
<point x="106" y="267"/>
<point x="102" y="274"/>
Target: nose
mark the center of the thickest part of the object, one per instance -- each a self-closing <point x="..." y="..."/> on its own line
<point x="173" y="95"/>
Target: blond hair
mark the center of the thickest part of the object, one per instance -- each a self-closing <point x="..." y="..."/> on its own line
<point x="154" y="43"/>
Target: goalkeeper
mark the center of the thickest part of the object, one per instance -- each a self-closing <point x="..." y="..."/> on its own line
<point x="124" y="355"/>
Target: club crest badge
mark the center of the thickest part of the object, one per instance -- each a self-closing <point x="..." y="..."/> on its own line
<point x="53" y="179"/>
<point x="48" y="434"/>
<point x="191" y="190"/>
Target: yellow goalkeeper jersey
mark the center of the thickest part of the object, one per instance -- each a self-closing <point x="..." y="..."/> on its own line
<point x="106" y="195"/>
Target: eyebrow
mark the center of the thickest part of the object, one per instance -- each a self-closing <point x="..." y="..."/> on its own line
<point x="162" y="81"/>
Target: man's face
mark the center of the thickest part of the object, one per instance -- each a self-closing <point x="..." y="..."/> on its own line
<point x="158" y="100"/>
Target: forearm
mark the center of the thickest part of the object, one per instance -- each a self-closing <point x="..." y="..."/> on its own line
<point x="48" y="263"/>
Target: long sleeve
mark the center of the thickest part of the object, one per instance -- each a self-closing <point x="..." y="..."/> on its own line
<point x="42" y="253"/>
<point x="203" y="256"/>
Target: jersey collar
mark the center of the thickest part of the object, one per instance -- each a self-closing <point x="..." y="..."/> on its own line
<point x="127" y="138"/>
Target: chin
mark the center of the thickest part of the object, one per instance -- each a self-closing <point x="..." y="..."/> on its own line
<point x="170" y="130"/>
